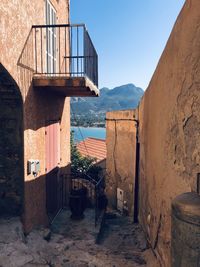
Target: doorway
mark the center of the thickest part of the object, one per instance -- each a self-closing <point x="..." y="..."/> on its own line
<point x="11" y="146"/>
<point x="54" y="182"/>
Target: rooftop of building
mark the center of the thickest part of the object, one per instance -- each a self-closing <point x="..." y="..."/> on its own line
<point x="93" y="147"/>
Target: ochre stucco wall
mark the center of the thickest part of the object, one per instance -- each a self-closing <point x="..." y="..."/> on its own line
<point x="16" y="20"/>
<point x="120" y="161"/>
<point x="169" y="135"/>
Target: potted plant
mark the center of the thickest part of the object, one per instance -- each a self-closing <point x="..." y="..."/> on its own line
<point x="77" y="202"/>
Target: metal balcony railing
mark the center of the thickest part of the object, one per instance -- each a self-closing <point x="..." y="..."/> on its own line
<point x="58" y="50"/>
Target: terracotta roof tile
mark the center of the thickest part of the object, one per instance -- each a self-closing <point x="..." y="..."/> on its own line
<point x="93" y="147"/>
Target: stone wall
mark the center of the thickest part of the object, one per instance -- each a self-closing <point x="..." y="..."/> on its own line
<point x="16" y="19"/>
<point x="169" y="135"/>
<point x="120" y="161"/>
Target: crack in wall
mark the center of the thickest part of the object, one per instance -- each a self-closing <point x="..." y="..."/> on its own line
<point x="157" y="232"/>
<point x="114" y="152"/>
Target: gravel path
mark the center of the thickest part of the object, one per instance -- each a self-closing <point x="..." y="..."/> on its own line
<point x="72" y="244"/>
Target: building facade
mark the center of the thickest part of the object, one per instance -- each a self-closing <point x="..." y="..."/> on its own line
<point x="36" y="69"/>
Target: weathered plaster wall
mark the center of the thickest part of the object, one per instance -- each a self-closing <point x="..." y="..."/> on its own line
<point x="120" y="161"/>
<point x="169" y="116"/>
<point x="16" y="20"/>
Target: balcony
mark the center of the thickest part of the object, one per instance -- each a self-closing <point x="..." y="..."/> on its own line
<point x="63" y="60"/>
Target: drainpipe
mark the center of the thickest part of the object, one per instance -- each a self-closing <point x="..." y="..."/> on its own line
<point x="137" y="161"/>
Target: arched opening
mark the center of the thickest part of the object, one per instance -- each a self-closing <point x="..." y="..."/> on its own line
<point x="11" y="146"/>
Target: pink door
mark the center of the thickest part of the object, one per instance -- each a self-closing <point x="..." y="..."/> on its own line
<point x="52" y="146"/>
<point x="53" y="179"/>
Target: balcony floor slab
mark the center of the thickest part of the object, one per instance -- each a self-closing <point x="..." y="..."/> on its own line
<point x="66" y="86"/>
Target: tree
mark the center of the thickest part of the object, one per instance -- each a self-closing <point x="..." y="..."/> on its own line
<point x="82" y="164"/>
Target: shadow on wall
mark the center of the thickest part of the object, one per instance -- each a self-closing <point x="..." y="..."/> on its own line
<point x="11" y="146"/>
<point x="19" y="198"/>
<point x="45" y="195"/>
<point x="41" y="107"/>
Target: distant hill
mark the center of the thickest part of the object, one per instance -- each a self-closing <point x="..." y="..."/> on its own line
<point x="94" y="108"/>
<point x="122" y="97"/>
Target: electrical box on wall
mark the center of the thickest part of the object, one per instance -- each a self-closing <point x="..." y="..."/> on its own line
<point x="33" y="167"/>
<point x="37" y="166"/>
<point x="120" y="199"/>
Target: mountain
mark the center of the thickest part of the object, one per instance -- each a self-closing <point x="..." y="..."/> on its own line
<point x="119" y="98"/>
<point x="122" y="97"/>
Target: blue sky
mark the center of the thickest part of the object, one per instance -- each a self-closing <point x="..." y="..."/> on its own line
<point x="129" y="36"/>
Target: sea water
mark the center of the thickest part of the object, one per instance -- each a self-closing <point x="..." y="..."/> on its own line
<point x="81" y="133"/>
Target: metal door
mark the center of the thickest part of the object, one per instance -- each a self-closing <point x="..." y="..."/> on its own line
<point x="51" y="38"/>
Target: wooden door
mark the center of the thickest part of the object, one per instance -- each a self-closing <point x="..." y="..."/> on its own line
<point x="54" y="183"/>
<point x="52" y="133"/>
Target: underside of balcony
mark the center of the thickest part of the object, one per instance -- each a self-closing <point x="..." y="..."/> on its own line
<point x="66" y="86"/>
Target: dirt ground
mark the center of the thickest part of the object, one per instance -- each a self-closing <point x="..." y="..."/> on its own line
<point x="72" y="244"/>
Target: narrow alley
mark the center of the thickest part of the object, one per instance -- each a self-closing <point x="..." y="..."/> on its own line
<point x="72" y="243"/>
